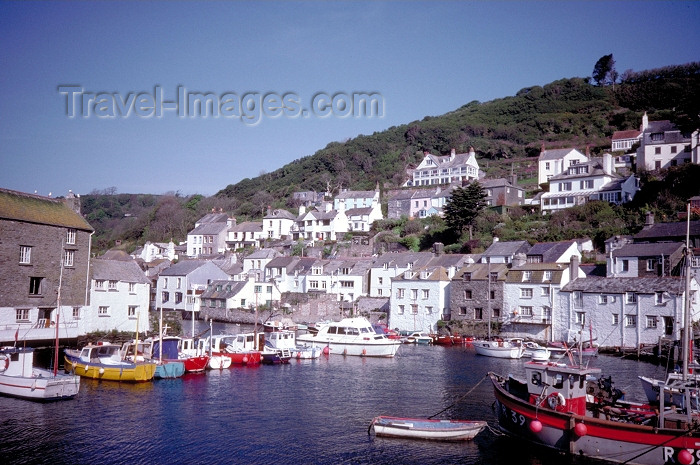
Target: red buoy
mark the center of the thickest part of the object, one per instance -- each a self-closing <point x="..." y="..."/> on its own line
<point x="580" y="430"/>
<point x="326" y="350"/>
<point x="535" y="426"/>
<point x="245" y="360"/>
<point x="685" y="457"/>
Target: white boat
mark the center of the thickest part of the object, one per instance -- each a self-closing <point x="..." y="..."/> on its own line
<point x="285" y="341"/>
<point x="536" y="352"/>
<point x="353" y="336"/>
<point x="418" y="337"/>
<point x="20" y="378"/>
<point x="510" y="348"/>
<point x="422" y="428"/>
<point x="674" y="388"/>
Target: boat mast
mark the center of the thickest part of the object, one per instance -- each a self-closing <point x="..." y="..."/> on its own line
<point x="687" y="340"/>
<point x="160" y="349"/>
<point x="58" y="312"/>
<point x="488" y="294"/>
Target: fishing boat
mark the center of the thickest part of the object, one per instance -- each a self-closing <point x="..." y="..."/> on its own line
<point x="20" y="378"/>
<point x="285" y="342"/>
<point x="195" y="361"/>
<point x="104" y="362"/>
<point x="423" y="428"/>
<point x="673" y="387"/>
<point x="239" y="348"/>
<point x="500" y="348"/>
<point x="352" y="336"/>
<point x="168" y="365"/>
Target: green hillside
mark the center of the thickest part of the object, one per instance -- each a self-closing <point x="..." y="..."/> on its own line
<point x="507" y="135"/>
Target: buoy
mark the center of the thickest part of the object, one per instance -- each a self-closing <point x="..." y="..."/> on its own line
<point x="102" y="371"/>
<point x="580" y="430"/>
<point x="685" y="457"/>
<point x="364" y="351"/>
<point x="535" y="426"/>
<point x="326" y="350"/>
<point x="245" y="360"/>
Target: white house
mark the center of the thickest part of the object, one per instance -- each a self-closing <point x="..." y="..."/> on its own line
<point x="555" y="161"/>
<point x="662" y="146"/>
<point x="258" y="260"/>
<point x="419" y="299"/>
<point x="622" y="141"/>
<point x="435" y="169"/>
<point x="622" y="312"/>
<point x="177" y="285"/>
<point x="325" y="224"/>
<point x="390" y="265"/>
<point x="277" y="224"/>
<point x="119" y="297"/>
<point x="209" y="234"/>
<point x="356" y="199"/>
<point x="361" y="219"/>
<point x="247" y="294"/>
<point x="156" y="251"/>
<point x="247" y="234"/>
<point x="553" y="252"/>
<point x="503" y="251"/>
<point x="582" y="182"/>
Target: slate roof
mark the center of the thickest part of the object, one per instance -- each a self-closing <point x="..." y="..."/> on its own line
<point x="480" y="271"/>
<point x="263" y="254"/>
<point x="282" y="262"/>
<point x="555" y="154"/>
<point x="537" y="271"/>
<point x="648" y="249"/>
<point x="37" y="209"/>
<point x="283" y="214"/>
<point x="209" y="229"/>
<point x="436" y="273"/>
<point x="645" y="285"/>
<point x="402" y="259"/>
<point x="228" y="289"/>
<point x="506" y="248"/>
<point x="248" y="226"/>
<point x="667" y="231"/>
<point x="183" y="268"/>
<point x="356" y="195"/>
<point x="358" y="211"/>
<point x="213" y="218"/>
<point x="126" y="271"/>
<point x="459" y="159"/>
<point x="550" y="251"/>
<point x="595" y="169"/>
<point x="405" y="194"/>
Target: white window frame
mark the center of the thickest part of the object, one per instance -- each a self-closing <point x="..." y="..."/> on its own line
<point x="581" y="318"/>
<point x="526" y="293"/>
<point x="25" y="254"/>
<point x="615" y="319"/>
<point x="132" y="310"/>
<point x="70" y="236"/>
<point x="652" y="321"/>
<point x="68" y="257"/>
<point x="630" y="321"/>
<point x="103" y="310"/>
<point x="22" y="314"/>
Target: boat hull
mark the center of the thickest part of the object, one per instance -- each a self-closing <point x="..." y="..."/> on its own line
<point x="196" y="364"/>
<point x="169" y="369"/>
<point x="422" y="428"/>
<point x="41" y="386"/>
<point x="491" y="349"/>
<point x="599" y="438"/>
<point x="128" y="373"/>
<point x="358" y="348"/>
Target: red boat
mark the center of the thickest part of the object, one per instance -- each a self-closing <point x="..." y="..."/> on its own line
<point x="443" y="339"/>
<point x="240" y="348"/>
<point x="574" y="411"/>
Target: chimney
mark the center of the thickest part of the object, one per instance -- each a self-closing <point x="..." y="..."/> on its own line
<point x="649" y="222"/>
<point x="645" y="122"/>
<point x="588" y="151"/>
<point x="608" y="163"/>
<point x="269" y="210"/>
<point x="472" y="153"/>
<point x="302" y="209"/>
<point x="438" y="248"/>
<point x="542" y="150"/>
<point x="519" y="259"/>
<point x="514" y="179"/>
<point x="573" y="268"/>
<point x="329" y="206"/>
<point x="495" y="239"/>
<point x="453" y="152"/>
<point x="72" y="201"/>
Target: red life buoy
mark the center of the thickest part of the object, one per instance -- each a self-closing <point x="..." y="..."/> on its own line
<point x="6" y="365"/>
<point x="556" y="400"/>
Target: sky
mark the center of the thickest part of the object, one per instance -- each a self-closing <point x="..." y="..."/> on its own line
<point x="189" y="97"/>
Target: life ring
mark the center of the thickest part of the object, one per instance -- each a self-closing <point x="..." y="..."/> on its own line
<point x="556" y="400"/>
<point x="4" y="366"/>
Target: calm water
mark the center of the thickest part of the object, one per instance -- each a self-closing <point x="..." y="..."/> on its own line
<point x="307" y="412"/>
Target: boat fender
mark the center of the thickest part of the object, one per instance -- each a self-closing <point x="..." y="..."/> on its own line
<point x="4" y="362"/>
<point x="364" y="352"/>
<point x="556" y="399"/>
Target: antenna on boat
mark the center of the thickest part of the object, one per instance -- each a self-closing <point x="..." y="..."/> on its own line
<point x="687" y="340"/>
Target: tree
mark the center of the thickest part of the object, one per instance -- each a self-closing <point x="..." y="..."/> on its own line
<point x="604" y="71"/>
<point x="463" y="207"/>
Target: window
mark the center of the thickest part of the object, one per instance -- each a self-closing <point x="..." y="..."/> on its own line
<point x="581" y="318"/>
<point x="527" y="276"/>
<point x="258" y="289"/>
<point x="25" y="254"/>
<point x="547" y="276"/>
<point x="426" y="294"/>
<point x="414" y="309"/>
<point x="545" y="291"/>
<point x="546" y="312"/>
<point x="269" y="289"/>
<point x="650" y="264"/>
<point x="70" y="236"/>
<point x="165" y="296"/>
<point x="467" y="294"/>
<point x="578" y="299"/>
<point x="428" y="310"/>
<point x="346" y="284"/>
<point x="112" y="285"/>
<point x="313" y="284"/>
<point x="178" y="297"/>
<point x="630" y="321"/>
<point x="615" y="319"/>
<point x="478" y="313"/>
<point x="35" y="286"/>
<point x="242" y="302"/>
<point x="132" y="287"/>
<point x="526" y="293"/>
<point x="76" y="313"/>
<point x="630" y="297"/>
<point x="414" y="294"/>
<point x="462" y="310"/>
<point x="651" y="321"/>
<point x="165" y="283"/>
<point x="103" y="311"/>
<point x="131" y="312"/>
<point x="179" y="283"/>
<point x="22" y="314"/>
<point x="68" y="257"/>
<point x="526" y="310"/>
<point x="496" y="313"/>
<point x="380" y="292"/>
<point x="100" y="284"/>
<point x="493" y="276"/>
<point x="401" y="309"/>
<point x="658" y="298"/>
<point x="493" y="295"/>
<point x="399" y="293"/>
<point x="602" y="299"/>
<point x="625" y="265"/>
<point x="467" y="276"/>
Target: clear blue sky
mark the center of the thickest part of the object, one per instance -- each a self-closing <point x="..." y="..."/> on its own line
<point x="424" y="58"/>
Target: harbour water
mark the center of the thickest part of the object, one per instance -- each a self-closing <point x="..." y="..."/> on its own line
<point x="307" y="412"/>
